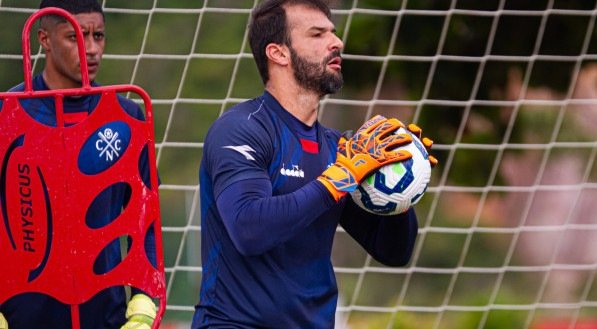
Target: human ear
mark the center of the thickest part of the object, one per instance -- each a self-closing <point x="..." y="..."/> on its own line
<point x="43" y="37"/>
<point x="278" y="54"/>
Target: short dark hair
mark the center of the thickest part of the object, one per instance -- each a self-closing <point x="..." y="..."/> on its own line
<point x="73" y="6"/>
<point x="269" y="25"/>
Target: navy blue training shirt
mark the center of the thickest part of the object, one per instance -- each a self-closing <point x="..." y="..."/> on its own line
<point x="268" y="225"/>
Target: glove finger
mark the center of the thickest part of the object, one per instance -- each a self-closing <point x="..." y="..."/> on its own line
<point x="371" y="124"/>
<point x="395" y="140"/>
<point x="140" y="304"/>
<point x="413" y="128"/>
<point x="347" y="134"/>
<point x="342" y="146"/>
<point x="433" y="161"/>
<point x="427" y="142"/>
<point x="387" y="128"/>
<point x="397" y="155"/>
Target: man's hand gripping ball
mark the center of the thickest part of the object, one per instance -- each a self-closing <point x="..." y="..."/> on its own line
<point x="374" y="145"/>
<point x="140" y="313"/>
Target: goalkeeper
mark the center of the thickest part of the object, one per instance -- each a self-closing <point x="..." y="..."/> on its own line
<point x="107" y="309"/>
<point x="274" y="182"/>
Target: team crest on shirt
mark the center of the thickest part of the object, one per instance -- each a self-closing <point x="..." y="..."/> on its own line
<point x="104" y="147"/>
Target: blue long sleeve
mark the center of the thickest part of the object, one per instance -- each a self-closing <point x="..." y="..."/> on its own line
<point x="258" y="221"/>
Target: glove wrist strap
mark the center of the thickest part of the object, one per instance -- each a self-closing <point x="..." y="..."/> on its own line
<point x="336" y="194"/>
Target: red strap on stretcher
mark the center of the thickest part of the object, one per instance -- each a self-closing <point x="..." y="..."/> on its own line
<point x="45" y="243"/>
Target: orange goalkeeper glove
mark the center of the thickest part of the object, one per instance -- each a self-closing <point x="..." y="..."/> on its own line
<point x="3" y="322"/>
<point x="374" y="145"/>
<point x="140" y="313"/>
<point x="427" y="142"/>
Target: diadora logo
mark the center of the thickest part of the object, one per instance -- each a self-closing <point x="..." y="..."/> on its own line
<point x="108" y="144"/>
<point x="294" y="172"/>
<point x="242" y="149"/>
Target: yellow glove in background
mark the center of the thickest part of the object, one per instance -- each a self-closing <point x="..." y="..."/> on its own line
<point x="3" y="322"/>
<point x="140" y="312"/>
<point x="374" y="145"/>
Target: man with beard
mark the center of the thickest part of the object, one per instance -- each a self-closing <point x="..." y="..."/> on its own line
<point x="274" y="182"/>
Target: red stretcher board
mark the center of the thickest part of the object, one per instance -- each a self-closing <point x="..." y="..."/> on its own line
<point x="45" y="243"/>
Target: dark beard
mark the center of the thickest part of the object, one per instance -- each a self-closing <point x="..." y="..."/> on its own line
<point x="314" y="76"/>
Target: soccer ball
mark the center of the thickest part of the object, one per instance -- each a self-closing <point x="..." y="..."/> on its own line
<point x="393" y="188"/>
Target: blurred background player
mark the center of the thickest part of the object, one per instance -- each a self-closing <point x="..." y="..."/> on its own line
<point x="273" y="188"/>
<point x="107" y="309"/>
